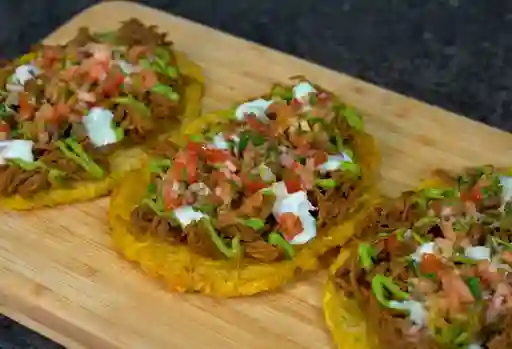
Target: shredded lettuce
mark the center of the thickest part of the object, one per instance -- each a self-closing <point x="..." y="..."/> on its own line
<point x="131" y="101"/>
<point x="366" y="255"/>
<point x="74" y="151"/>
<point x="276" y="239"/>
<point x="233" y="251"/>
<point x="159" y="165"/>
<point x="382" y="285"/>
<point x="353" y="118"/>
<point x="327" y="183"/>
<point x="255" y="223"/>
<point x="166" y="91"/>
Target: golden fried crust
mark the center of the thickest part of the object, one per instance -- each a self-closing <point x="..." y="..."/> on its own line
<point x="342" y="315"/>
<point x="121" y="162"/>
<point x="184" y="271"/>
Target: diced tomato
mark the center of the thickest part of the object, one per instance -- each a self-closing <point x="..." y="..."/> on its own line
<point x="295" y="104"/>
<point x="430" y="264"/>
<point x="62" y="108"/>
<point x="4" y="127"/>
<point x="215" y="156"/>
<point x="195" y="147"/>
<point x="191" y="168"/>
<point x="96" y="72"/>
<point x="293" y="185"/>
<point x="5" y="130"/>
<point x="477" y="192"/>
<point x="61" y="111"/>
<point x="27" y="109"/>
<point x="170" y="196"/>
<point x="290" y="225"/>
<point x="256" y="124"/>
<point x="391" y="243"/>
<point x="320" y="158"/>
<point x="185" y="167"/>
<point x="474" y="194"/>
<point x="253" y="186"/>
<point x="112" y="84"/>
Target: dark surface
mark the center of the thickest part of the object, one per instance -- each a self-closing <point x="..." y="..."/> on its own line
<point x="453" y="53"/>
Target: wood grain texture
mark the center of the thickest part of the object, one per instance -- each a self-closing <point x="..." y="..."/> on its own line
<point x="59" y="276"/>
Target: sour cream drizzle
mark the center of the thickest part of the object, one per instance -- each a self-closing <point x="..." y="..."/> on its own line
<point x="417" y="312"/>
<point x="506" y="194"/>
<point x="99" y="127"/>
<point x="16" y="149"/>
<point x="25" y="72"/>
<point x="334" y="162"/>
<point x="298" y="204"/>
<point x="187" y="215"/>
<point x="256" y="107"/>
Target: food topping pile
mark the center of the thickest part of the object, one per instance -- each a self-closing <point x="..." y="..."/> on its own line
<point x="434" y="271"/>
<point x="64" y="108"/>
<point x="259" y="185"/>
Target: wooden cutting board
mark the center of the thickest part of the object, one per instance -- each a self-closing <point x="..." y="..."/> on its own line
<point x="59" y="276"/>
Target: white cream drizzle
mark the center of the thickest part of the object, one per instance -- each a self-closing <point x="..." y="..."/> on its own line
<point x="506" y="190"/>
<point x="298" y="204"/>
<point x="301" y="92"/>
<point x="25" y="72"/>
<point x="478" y="253"/>
<point x="256" y="107"/>
<point x="334" y="162"/>
<point x="98" y="124"/>
<point x="219" y="142"/>
<point x="187" y="215"/>
<point x="417" y="312"/>
<point x="16" y="149"/>
<point x="425" y="248"/>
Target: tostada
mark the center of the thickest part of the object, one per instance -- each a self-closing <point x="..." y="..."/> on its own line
<point x="247" y="197"/>
<point x="73" y="117"/>
<point x="431" y="269"/>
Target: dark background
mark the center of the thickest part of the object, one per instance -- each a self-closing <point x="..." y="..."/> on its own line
<point x="453" y="53"/>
